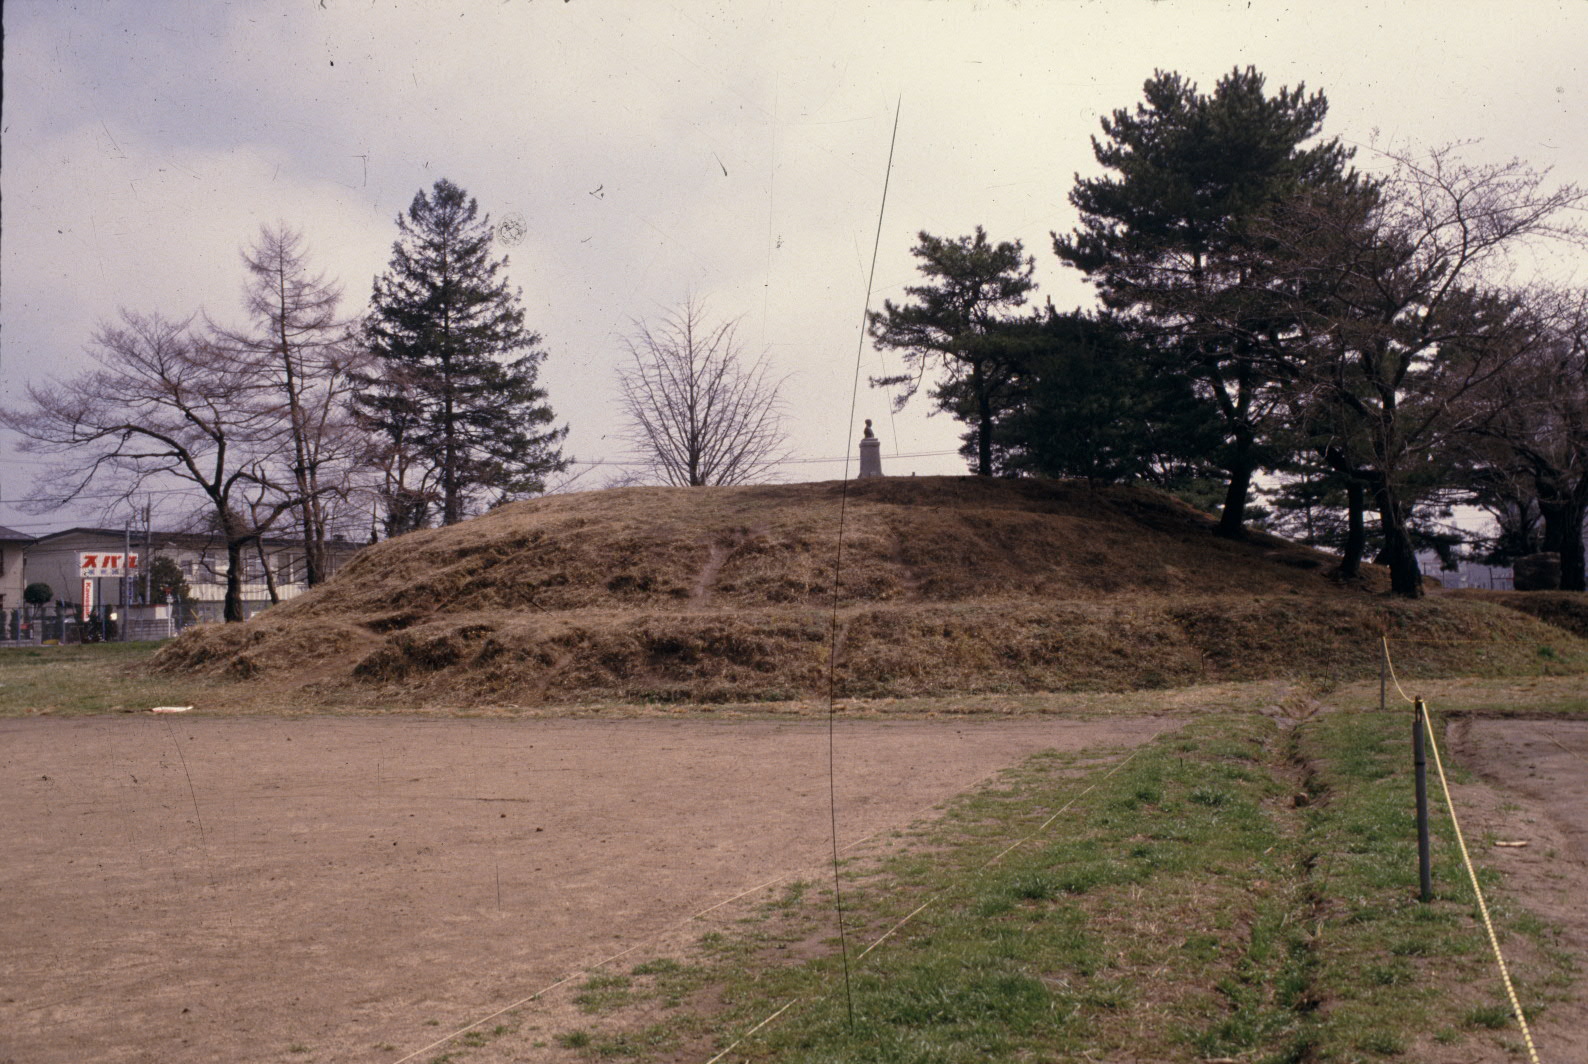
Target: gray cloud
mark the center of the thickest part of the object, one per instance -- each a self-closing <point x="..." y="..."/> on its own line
<point x="144" y="142"/>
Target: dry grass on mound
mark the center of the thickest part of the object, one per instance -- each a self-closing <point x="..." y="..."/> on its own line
<point x="743" y="656"/>
<point x="947" y="585"/>
<point x="930" y="538"/>
<point x="1563" y="609"/>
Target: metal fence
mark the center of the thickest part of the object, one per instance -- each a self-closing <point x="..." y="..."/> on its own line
<point x="64" y="623"/>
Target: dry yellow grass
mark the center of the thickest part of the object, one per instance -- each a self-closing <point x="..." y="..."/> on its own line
<point x="945" y="585"/>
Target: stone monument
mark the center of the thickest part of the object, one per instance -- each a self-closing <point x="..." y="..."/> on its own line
<point x="870" y="453"/>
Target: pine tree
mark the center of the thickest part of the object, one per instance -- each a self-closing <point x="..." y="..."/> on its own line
<point x="955" y="321"/>
<point x="1092" y="402"/>
<point x="456" y="399"/>
<point x="1175" y="242"/>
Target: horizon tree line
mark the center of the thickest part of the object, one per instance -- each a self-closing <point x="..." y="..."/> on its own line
<point x="1265" y="308"/>
<point x="428" y="405"/>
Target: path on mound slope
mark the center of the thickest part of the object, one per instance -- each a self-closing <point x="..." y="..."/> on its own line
<point x="947" y="584"/>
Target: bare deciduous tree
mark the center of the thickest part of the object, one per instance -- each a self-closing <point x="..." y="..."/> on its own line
<point x="1530" y="432"/>
<point x="302" y="353"/>
<point x="1409" y="317"/>
<point x="165" y="405"/>
<point x="698" y="413"/>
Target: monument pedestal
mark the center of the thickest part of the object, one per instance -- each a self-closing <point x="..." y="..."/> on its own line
<point x="870" y="456"/>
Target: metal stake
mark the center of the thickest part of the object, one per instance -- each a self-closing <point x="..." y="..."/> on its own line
<point x="1383" y="675"/>
<point x="1420" y="762"/>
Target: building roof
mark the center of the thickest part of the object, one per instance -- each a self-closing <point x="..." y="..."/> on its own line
<point x="9" y="535"/>
<point x="191" y="540"/>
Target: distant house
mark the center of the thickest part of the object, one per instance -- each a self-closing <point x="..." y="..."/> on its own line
<point x="13" y="577"/>
<point x="1466" y="573"/>
<point x="275" y="563"/>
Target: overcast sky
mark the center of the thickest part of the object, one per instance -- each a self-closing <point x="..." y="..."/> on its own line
<point x="732" y="149"/>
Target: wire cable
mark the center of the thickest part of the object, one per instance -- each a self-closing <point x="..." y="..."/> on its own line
<point x="838" y="568"/>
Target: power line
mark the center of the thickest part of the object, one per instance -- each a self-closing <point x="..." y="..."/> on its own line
<point x="639" y="463"/>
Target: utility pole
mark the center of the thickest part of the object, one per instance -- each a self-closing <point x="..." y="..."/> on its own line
<point x="126" y="578"/>
<point x="148" y="554"/>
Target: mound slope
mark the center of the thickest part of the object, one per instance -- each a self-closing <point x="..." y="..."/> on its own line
<point x="943" y="584"/>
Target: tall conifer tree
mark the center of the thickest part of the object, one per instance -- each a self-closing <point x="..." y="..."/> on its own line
<point x="1175" y="240"/>
<point x="954" y="322"/>
<point x="457" y="399"/>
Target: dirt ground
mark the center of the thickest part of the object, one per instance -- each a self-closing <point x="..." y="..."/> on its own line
<point x="348" y="889"/>
<point x="1534" y="792"/>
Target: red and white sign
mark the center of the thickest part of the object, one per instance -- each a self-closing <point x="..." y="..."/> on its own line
<point x="106" y="563"/>
<point x="88" y="599"/>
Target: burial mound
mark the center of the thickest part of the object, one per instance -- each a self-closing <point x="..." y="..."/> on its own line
<point x="939" y="585"/>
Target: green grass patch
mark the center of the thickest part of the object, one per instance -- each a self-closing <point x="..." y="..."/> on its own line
<point x="603" y="992"/>
<point x="1185" y="907"/>
<point x="90" y="678"/>
<point x="1389" y="965"/>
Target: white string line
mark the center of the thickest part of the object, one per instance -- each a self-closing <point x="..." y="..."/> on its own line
<point x="913" y="818"/>
<point x="919" y="909"/>
<point x="672" y="927"/>
<point x="754" y="1029"/>
<point x="1018" y="843"/>
<point x="521" y="1001"/>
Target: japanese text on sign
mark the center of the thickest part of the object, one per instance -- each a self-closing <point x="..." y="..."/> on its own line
<point x="105" y="563"/>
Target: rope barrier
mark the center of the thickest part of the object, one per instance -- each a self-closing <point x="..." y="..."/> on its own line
<point x="1466" y="859"/>
<point x="1483" y="908"/>
<point x="1390" y="664"/>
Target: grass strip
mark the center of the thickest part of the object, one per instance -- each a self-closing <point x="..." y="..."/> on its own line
<point x="1240" y="890"/>
<point x="1399" y="974"/>
<point x="86" y="679"/>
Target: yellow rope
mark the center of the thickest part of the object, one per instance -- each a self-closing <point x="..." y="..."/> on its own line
<point x="1466" y="859"/>
<point x="1391" y="666"/>
<point x="1483" y="908"/>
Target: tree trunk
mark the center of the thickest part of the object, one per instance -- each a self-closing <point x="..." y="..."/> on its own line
<point x="1563" y="531"/>
<point x="1232" y="519"/>
<point x="270" y="577"/>
<point x="233" y="609"/>
<point x="451" y="488"/>
<point x="984" y="414"/>
<point x="1572" y="576"/>
<point x="1356" y="531"/>
<point x="316" y="558"/>
<point x="1399" y="554"/>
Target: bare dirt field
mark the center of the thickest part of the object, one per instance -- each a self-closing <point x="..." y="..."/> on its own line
<point x="1534" y="818"/>
<point x="347" y="889"/>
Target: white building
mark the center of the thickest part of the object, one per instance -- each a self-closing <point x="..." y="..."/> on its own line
<point x="273" y="567"/>
<point x="13" y="578"/>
